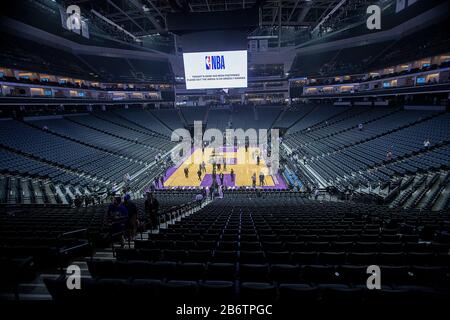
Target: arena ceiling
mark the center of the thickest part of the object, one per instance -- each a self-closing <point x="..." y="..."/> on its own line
<point x="145" y="17"/>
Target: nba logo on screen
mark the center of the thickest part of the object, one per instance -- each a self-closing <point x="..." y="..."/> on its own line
<point x="214" y="62"/>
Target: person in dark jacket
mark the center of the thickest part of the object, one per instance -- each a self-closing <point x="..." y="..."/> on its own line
<point x="117" y="214"/>
<point x="151" y="210"/>
<point x="132" y="222"/>
<point x="261" y="179"/>
<point x="116" y="209"/>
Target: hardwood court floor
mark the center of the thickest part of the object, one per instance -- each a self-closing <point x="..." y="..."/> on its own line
<point x="237" y="159"/>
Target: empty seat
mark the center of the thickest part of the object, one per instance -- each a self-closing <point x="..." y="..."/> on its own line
<point x="142" y="289"/>
<point x="225" y="256"/>
<point x="295" y="293"/>
<point x="269" y="237"/>
<point x="352" y="274"/>
<point x="367" y="237"/>
<point x="144" y="244"/>
<point x="318" y="274"/>
<point x="285" y="273"/>
<point x="318" y="246"/>
<point x="134" y="269"/>
<point x="272" y="246"/>
<point x="162" y="269"/>
<point x="417" y="247"/>
<point x="410" y="238"/>
<point x="185" y="245"/>
<point x="391" y="247"/>
<point x="250" y="246"/>
<point x="216" y="291"/>
<point x="365" y="258"/>
<point x="258" y="292"/>
<point x="366" y="246"/>
<point x="227" y="245"/>
<point x="278" y="257"/>
<point x="190" y="271"/>
<point x="205" y="245"/>
<point x="105" y="269"/>
<point x="303" y="258"/>
<point x="341" y="246"/>
<point x="338" y="294"/>
<point x="150" y="254"/>
<point x="175" y="255"/>
<point x="437" y="247"/>
<point x="332" y="258"/>
<point x="389" y="238"/>
<point x="164" y="244"/>
<point x="177" y="290"/>
<point x="252" y="257"/>
<point x="287" y="237"/>
<point x="109" y="289"/>
<point x="420" y="258"/>
<point x="295" y="246"/>
<point x="199" y="255"/>
<point x="433" y="276"/>
<point x="128" y="254"/>
<point x="254" y="272"/>
<point x="221" y="271"/>
<point x="391" y="258"/>
<point x="395" y="275"/>
<point x="249" y="237"/>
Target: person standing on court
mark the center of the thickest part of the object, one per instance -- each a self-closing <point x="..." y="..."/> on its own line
<point x="199" y="174"/>
<point x="221" y="177"/>
<point x="261" y="179"/>
<point x="254" y="180"/>
<point x="203" y="166"/>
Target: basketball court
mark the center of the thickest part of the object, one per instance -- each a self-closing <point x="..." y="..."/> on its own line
<point x="239" y="161"/>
